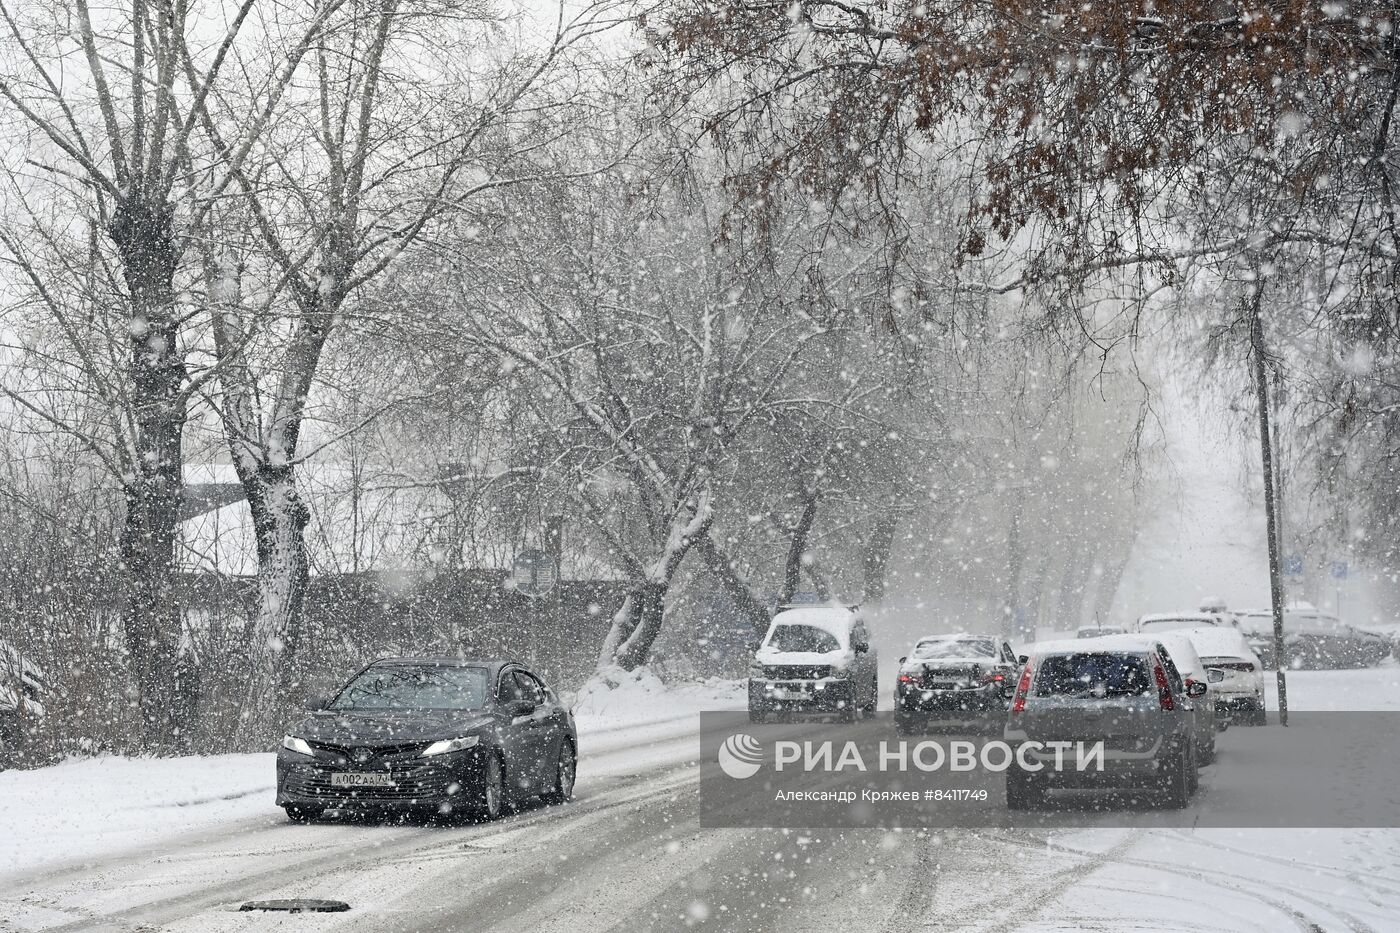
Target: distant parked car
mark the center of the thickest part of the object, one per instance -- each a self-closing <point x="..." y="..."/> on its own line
<point x="1158" y="622"/>
<point x="1239" y="694"/>
<point x="430" y="734"/>
<point x="1129" y="696"/>
<point x="1257" y="627"/>
<point x="1315" y="640"/>
<point x="1098" y="631"/>
<point x="815" y="660"/>
<point x="946" y="677"/>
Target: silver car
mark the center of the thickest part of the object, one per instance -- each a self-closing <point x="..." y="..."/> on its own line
<point x="1128" y="696"/>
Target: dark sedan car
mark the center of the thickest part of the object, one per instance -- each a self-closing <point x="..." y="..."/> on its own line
<point x="954" y="678"/>
<point x="430" y="734"/>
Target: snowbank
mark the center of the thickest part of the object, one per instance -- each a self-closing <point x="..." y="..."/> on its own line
<point x="83" y="808"/>
<point x="622" y="699"/>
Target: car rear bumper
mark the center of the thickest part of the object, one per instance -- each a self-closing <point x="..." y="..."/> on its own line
<point x="919" y="702"/>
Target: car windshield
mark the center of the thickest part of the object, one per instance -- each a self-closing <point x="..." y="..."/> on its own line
<point x="1092" y="675"/>
<point x="1171" y="625"/>
<point x="404" y="686"/>
<point x="954" y="648"/>
<point x="802" y="638"/>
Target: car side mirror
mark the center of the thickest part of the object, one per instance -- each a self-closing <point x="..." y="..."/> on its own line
<point x="316" y="703"/>
<point x="521" y="707"/>
<point x="1008" y="690"/>
<point x="1196" y="689"/>
<point x="903" y="659"/>
<point x="1022" y="658"/>
<point x="1215" y="675"/>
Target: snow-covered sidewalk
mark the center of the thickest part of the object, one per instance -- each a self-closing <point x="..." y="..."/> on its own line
<point x="87" y="808"/>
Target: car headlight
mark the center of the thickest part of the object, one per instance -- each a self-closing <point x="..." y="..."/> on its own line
<point x="293" y="744"/>
<point x="451" y="745"/>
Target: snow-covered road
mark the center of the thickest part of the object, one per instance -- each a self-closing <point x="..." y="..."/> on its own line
<point x="629" y="854"/>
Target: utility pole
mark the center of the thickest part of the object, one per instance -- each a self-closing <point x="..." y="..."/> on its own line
<point x="1261" y="387"/>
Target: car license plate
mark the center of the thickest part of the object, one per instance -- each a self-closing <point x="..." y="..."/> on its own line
<point x="789" y="693"/>
<point x="363" y="779"/>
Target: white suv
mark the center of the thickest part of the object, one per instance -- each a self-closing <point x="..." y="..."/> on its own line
<point x="814" y="660"/>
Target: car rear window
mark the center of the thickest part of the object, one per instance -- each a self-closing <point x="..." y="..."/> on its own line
<point x="955" y="648"/>
<point x="1092" y="675"/>
<point x="802" y="638"/>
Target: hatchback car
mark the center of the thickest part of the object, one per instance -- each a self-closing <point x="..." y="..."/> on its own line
<point x="814" y="660"/>
<point x="1129" y="697"/>
<point x="430" y="734"/>
<point x="949" y="678"/>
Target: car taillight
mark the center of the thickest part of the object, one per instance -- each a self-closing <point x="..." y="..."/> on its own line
<point x="1023" y="688"/>
<point x="993" y="678"/>
<point x="908" y="679"/>
<point x="1164" y="689"/>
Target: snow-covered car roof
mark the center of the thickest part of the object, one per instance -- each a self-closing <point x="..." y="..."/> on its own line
<point x="834" y="620"/>
<point x="1182" y="650"/>
<point x="1216" y="642"/>
<point x="1105" y="643"/>
<point x="992" y="640"/>
<point x="1203" y="617"/>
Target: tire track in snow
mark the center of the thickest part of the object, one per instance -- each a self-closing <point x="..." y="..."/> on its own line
<point x="1308" y="923"/>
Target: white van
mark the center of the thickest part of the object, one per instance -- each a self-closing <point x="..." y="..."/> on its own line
<point x="814" y="660"/>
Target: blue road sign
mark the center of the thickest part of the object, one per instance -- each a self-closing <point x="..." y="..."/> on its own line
<point x="1293" y="565"/>
<point x="1339" y="570"/>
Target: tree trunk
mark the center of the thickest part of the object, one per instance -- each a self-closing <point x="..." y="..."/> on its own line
<point x="797" y="547"/>
<point x="637" y="624"/>
<point x="143" y="232"/>
<point x="645" y="608"/>
<point x="753" y="611"/>
<point x="1013" y="613"/>
<point x="1108" y="583"/>
<point x="877" y="556"/>
<point x="279" y="522"/>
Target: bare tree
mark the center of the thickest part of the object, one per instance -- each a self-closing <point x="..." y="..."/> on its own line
<point x="365" y="161"/>
<point x="114" y="140"/>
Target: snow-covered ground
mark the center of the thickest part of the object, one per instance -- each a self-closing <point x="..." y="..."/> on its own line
<point x="216" y="813"/>
<point x="84" y="809"/>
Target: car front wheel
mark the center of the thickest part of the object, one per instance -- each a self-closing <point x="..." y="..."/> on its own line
<point x="490" y="795"/>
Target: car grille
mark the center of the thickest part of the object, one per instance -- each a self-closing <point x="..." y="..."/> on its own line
<point x="796" y="671"/>
<point x="424" y="783"/>
<point x="376" y="751"/>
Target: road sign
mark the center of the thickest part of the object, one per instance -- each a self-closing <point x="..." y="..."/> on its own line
<point x="1339" y="570"/>
<point x="1293" y="565"/>
<point x="533" y="574"/>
